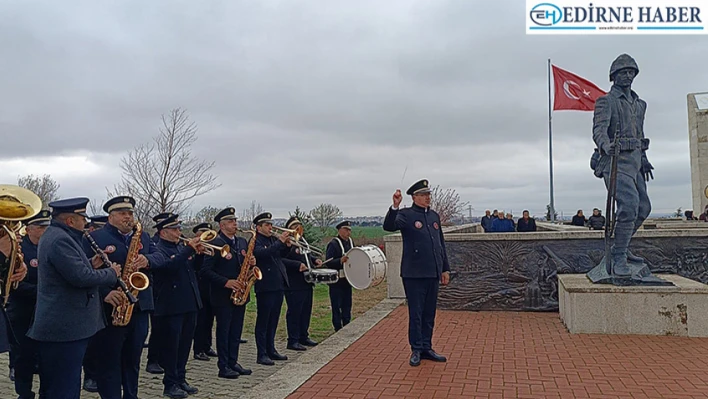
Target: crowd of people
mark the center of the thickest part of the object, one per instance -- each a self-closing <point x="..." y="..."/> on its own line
<point x="500" y="222"/>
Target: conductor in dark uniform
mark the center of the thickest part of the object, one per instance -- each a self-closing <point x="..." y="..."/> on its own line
<point x="120" y="347"/>
<point x="205" y="317"/>
<point x="298" y="295"/>
<point x="222" y="275"/>
<point x="424" y="266"/>
<point x="177" y="301"/>
<point x="68" y="308"/>
<point x="269" y="251"/>
<point x="340" y="293"/>
<point x="20" y="307"/>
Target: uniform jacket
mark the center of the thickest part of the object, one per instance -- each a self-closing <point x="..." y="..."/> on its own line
<point x="334" y="251"/>
<point x="424" y="254"/>
<point x="5" y="330"/>
<point x="23" y="299"/>
<point x="68" y="300"/>
<point x="296" y="278"/>
<point x="176" y="287"/>
<point x="269" y="253"/>
<point x="196" y="262"/>
<point x="115" y="245"/>
<point x="217" y="270"/>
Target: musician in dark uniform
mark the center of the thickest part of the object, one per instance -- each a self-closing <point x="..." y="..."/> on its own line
<point x="269" y="251"/>
<point x="340" y="293"/>
<point x="20" y="273"/>
<point x="205" y="318"/>
<point x="120" y="347"/>
<point x="91" y="363"/>
<point x="424" y="266"/>
<point x="222" y="274"/>
<point x="20" y="307"/>
<point x="68" y="310"/>
<point x="153" y="358"/>
<point x="177" y="301"/>
<point x="298" y="295"/>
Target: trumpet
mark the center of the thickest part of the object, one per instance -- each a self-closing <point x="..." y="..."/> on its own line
<point x="210" y="249"/>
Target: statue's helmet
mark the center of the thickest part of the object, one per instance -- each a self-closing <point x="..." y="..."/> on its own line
<point x="622" y="62"/>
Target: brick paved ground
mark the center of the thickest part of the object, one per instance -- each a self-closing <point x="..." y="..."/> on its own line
<point x="512" y="355"/>
<point x="200" y="374"/>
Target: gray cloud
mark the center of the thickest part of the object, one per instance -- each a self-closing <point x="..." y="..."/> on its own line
<point x="309" y="102"/>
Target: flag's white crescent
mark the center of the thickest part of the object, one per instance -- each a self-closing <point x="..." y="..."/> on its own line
<point x="566" y="89"/>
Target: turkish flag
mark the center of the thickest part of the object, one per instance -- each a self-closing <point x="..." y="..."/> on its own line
<point x="573" y="92"/>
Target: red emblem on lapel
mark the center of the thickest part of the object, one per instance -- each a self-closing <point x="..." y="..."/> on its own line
<point x="435" y="224"/>
<point x="190" y="258"/>
<point x="110" y="249"/>
<point x="34" y="263"/>
<point x="228" y="256"/>
<point x="418" y="224"/>
<point x="172" y="257"/>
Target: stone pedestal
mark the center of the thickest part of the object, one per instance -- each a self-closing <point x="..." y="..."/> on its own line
<point x="698" y="139"/>
<point x="680" y="310"/>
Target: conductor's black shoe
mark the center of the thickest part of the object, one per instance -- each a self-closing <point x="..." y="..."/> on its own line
<point x="154" y="368"/>
<point x="90" y="385"/>
<point x="211" y="353"/>
<point x="265" y="360"/>
<point x="308" y="342"/>
<point x="415" y="359"/>
<point x="296" y="347"/>
<point x="228" y="373"/>
<point x="201" y="356"/>
<point x="174" y="392"/>
<point x="188" y="388"/>
<point x="243" y="341"/>
<point x="277" y="356"/>
<point x="12" y="374"/>
<point x="431" y="355"/>
<point x="237" y="368"/>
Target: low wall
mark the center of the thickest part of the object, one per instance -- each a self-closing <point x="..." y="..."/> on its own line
<point x="517" y="271"/>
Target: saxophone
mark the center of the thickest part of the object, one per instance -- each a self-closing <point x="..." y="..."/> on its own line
<point x="132" y="278"/>
<point x="248" y="275"/>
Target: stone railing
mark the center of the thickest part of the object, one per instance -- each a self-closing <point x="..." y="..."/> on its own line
<point x="517" y="271"/>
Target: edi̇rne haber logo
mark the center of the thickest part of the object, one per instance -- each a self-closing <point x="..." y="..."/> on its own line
<point x="633" y="17"/>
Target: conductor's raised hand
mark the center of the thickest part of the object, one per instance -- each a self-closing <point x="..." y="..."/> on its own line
<point x="397" y="198"/>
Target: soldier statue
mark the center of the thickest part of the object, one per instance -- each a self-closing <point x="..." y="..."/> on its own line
<point x="621" y="160"/>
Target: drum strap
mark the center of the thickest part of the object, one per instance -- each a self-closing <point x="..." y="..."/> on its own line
<point x="341" y="245"/>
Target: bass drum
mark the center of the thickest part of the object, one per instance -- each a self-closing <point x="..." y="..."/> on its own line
<point x="366" y="266"/>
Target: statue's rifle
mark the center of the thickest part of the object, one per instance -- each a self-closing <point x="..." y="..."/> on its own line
<point x="610" y="206"/>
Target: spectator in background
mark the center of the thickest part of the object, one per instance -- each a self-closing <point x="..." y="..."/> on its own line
<point x="487" y="221"/>
<point x="526" y="224"/>
<point x="689" y="215"/>
<point x="501" y="224"/>
<point x="596" y="221"/>
<point x="704" y="215"/>
<point x="509" y="216"/>
<point x="579" y="219"/>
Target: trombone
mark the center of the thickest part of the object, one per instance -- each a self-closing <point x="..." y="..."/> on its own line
<point x="210" y="249"/>
<point x="299" y="241"/>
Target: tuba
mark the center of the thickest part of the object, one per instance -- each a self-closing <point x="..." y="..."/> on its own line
<point x="16" y="204"/>
<point x="136" y="281"/>
<point x="248" y="275"/>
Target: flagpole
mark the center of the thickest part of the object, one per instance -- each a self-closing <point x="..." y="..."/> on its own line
<point x="550" y="143"/>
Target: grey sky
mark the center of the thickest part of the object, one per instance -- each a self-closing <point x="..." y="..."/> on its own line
<point x="311" y="101"/>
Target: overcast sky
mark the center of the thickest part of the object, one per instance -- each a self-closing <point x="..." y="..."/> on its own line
<point x="304" y="102"/>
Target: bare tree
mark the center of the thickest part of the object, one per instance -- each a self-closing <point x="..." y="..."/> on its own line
<point x="324" y="215"/>
<point x="96" y="207"/>
<point x="44" y="186"/>
<point x="250" y="213"/>
<point x="164" y="176"/>
<point x="447" y="203"/>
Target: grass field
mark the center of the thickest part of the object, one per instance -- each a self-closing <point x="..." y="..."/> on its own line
<point x="321" y="322"/>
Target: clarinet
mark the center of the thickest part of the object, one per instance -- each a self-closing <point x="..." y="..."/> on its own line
<point x="107" y="262"/>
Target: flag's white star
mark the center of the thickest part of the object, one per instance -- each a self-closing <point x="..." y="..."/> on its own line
<point x="587" y="93"/>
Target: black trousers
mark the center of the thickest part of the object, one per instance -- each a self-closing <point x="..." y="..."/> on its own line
<point x="174" y="345"/>
<point x="205" y="324"/>
<point x="267" y="317"/>
<point x="119" y="350"/>
<point x="229" y="327"/>
<point x="422" y="296"/>
<point x="23" y="349"/>
<point x="91" y="361"/>
<point x="154" y="342"/>
<point x="60" y="368"/>
<point x="298" y="314"/>
<point x="340" y="297"/>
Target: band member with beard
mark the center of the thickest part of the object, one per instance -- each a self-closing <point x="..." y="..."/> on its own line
<point x="177" y="301"/>
<point x="223" y="273"/>
<point x="269" y="252"/>
<point x="205" y="318"/>
<point x="298" y="295"/>
<point x="120" y="347"/>
<point x="20" y="307"/>
<point x="68" y="311"/>
<point x="340" y="293"/>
